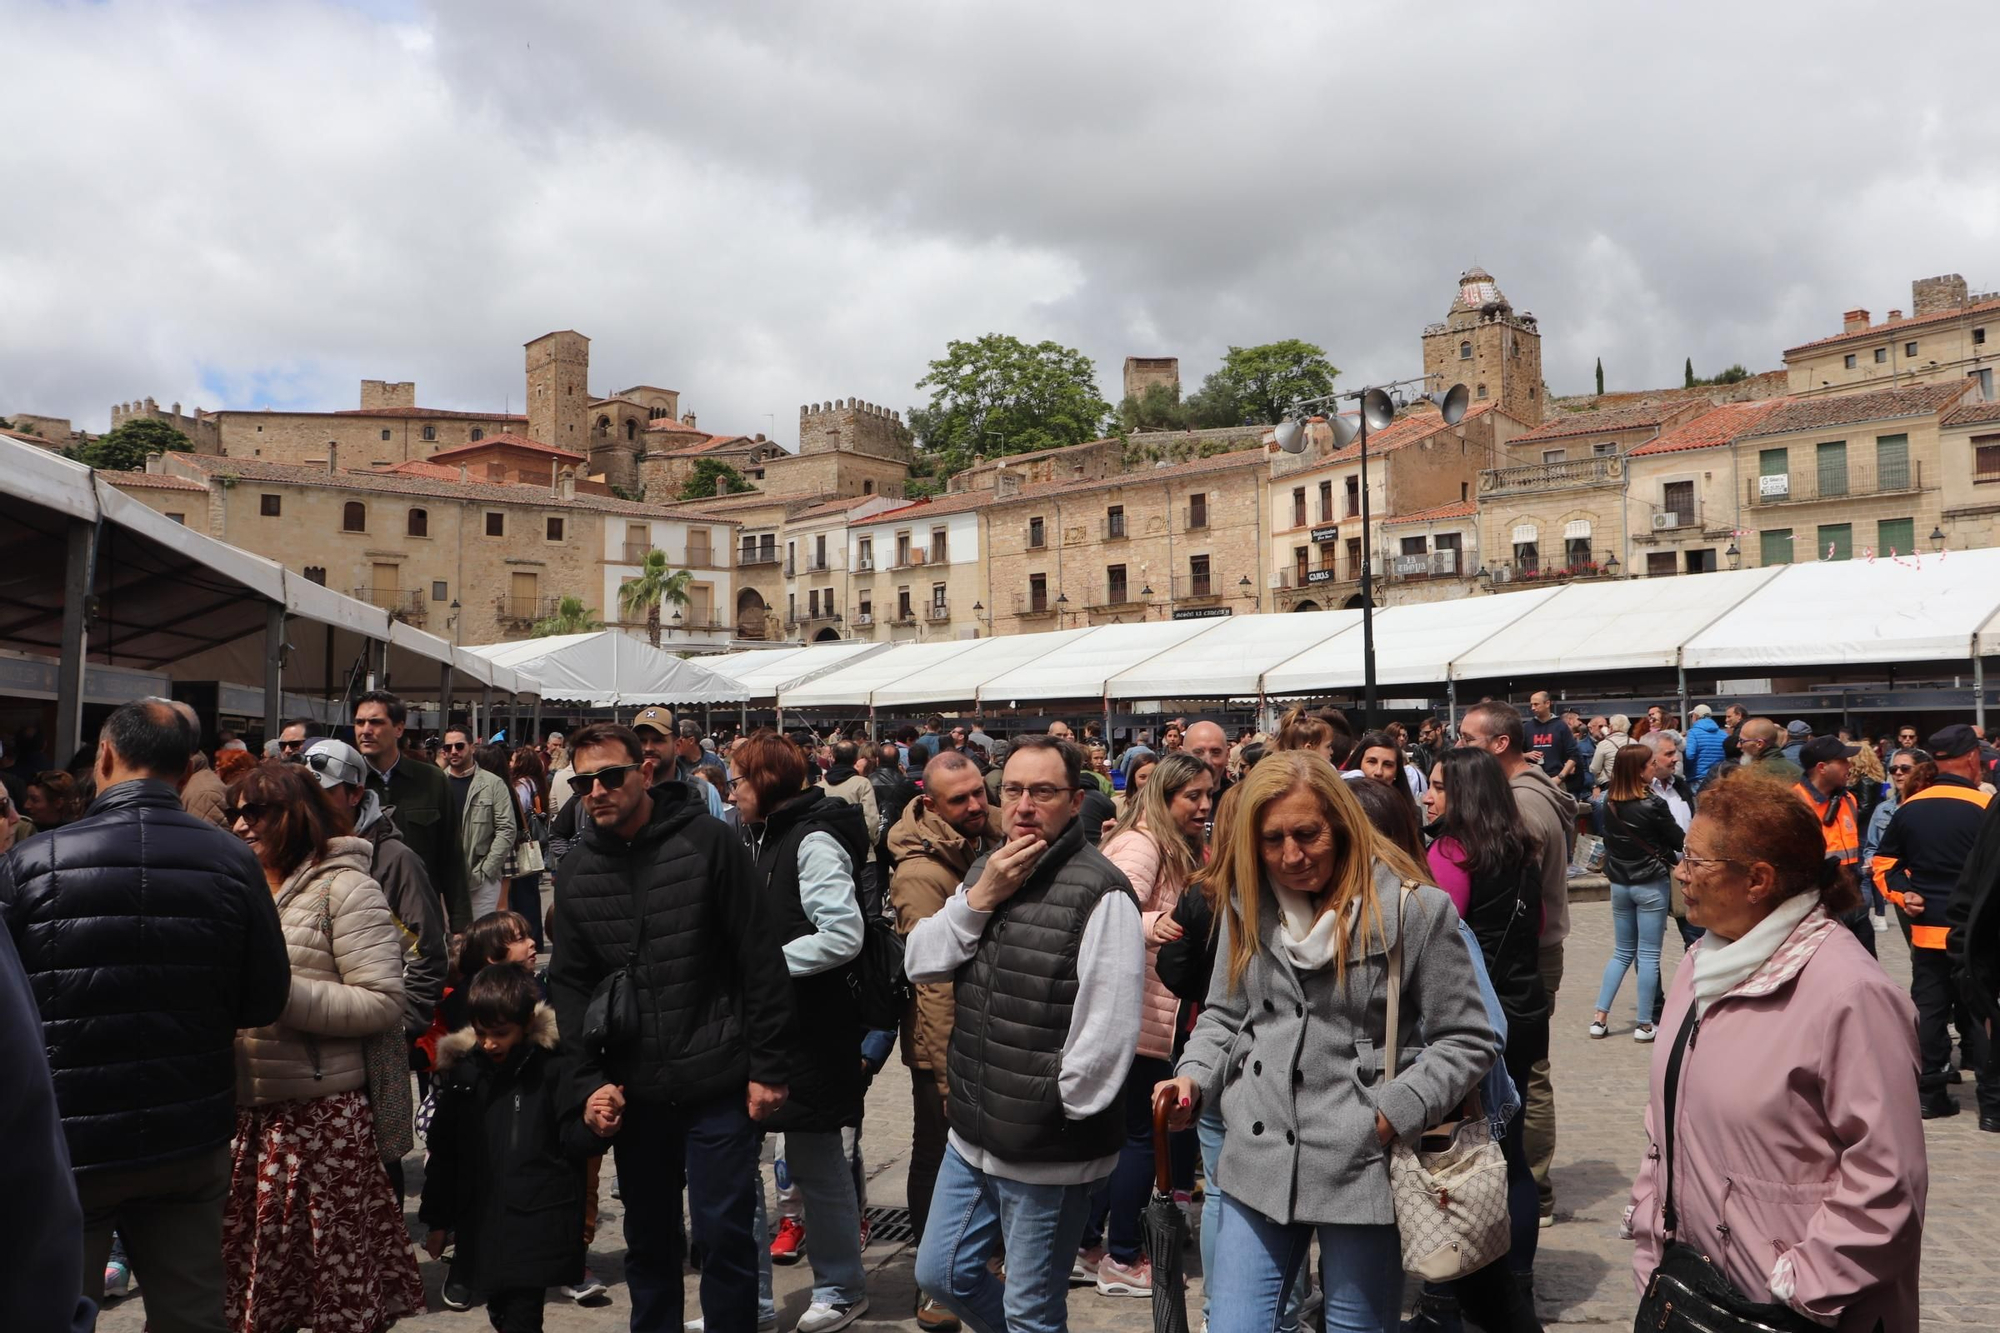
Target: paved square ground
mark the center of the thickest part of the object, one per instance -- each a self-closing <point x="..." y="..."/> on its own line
<point x="1583" y="1274"/>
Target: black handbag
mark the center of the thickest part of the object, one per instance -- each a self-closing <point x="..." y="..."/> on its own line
<point x="611" y="1019"/>
<point x="1687" y="1293"/>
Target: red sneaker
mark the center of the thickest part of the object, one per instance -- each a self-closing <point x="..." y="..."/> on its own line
<point x="866" y="1227"/>
<point x="790" y="1242"/>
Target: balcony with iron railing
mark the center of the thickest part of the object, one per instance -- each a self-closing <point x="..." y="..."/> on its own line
<point x="1195" y="587"/>
<point x="819" y="564"/>
<point x="751" y="556"/>
<point x="864" y="619"/>
<point x="1294" y="577"/>
<point x="864" y="562"/>
<point x="1195" y="520"/>
<point x="1564" y="568"/>
<point x="914" y="558"/>
<point x="1597" y="470"/>
<point x="812" y="617"/>
<point x="701" y="622"/>
<point x="406" y="605"/>
<point x="1034" y="604"/>
<point x="1115" y="596"/>
<point x="1811" y="485"/>
<point x="525" y="610"/>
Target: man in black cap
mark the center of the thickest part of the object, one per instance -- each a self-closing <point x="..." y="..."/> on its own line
<point x="1918" y="867"/>
<point x="1826" y="764"/>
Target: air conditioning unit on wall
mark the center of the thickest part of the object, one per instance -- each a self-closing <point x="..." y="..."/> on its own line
<point x="1661" y="522"/>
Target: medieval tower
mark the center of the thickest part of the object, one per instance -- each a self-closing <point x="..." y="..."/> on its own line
<point x="559" y="390"/>
<point x="1485" y="346"/>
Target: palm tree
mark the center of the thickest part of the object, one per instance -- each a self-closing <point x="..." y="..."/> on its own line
<point x="571" y="617"/>
<point x="655" y="584"/>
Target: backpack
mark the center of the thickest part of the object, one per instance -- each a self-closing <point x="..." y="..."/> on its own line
<point x="882" y="990"/>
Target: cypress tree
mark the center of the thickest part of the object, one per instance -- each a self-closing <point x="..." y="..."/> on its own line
<point x="1688" y="374"/>
<point x="1600" y="377"/>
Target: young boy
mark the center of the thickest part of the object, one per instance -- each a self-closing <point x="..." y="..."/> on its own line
<point x="507" y="1152"/>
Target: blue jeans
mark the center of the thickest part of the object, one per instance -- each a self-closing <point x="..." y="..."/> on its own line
<point x="1639" y="920"/>
<point x="1208" y="1132"/>
<point x="712" y="1149"/>
<point x="818" y="1166"/>
<point x="1258" y="1260"/>
<point x="973" y="1216"/>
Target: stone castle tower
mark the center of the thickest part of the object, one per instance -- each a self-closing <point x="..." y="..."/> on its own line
<point x="559" y="390"/>
<point x="1484" y="345"/>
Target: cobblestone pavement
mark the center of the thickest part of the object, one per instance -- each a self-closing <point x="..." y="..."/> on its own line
<point x="1583" y="1274"/>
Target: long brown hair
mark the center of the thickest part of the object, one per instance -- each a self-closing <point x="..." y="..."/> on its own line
<point x="1238" y="870"/>
<point x="299" y="818"/>
<point x="1152" y="815"/>
<point x="1628" y="773"/>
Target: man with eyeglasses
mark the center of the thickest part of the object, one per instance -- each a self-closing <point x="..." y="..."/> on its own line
<point x="295" y="736"/>
<point x="656" y="887"/>
<point x="1548" y="810"/>
<point x="420" y="795"/>
<point x="1042" y="945"/>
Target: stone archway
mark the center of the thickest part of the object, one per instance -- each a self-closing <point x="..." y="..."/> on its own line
<point x="827" y="635"/>
<point x="1354" y="603"/>
<point x="1305" y="604"/>
<point x="751" y="614"/>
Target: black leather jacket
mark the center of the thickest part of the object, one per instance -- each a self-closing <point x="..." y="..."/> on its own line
<point x="1642" y="843"/>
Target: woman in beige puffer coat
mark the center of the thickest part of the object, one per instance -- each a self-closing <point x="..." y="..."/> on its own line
<point x="313" y="1233"/>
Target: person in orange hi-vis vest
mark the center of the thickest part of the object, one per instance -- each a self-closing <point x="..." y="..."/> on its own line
<point x="1825" y="763"/>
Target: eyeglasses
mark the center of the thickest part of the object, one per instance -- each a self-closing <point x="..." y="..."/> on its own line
<point x="1042" y="793"/>
<point x="1699" y="863"/>
<point x="249" y="814"/>
<point x="612" y="778"/>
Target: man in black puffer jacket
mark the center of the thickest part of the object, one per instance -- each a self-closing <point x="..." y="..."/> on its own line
<point x="149" y="937"/>
<point x="714" y="1005"/>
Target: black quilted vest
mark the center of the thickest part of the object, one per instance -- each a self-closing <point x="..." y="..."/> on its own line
<point x="1014" y="998"/>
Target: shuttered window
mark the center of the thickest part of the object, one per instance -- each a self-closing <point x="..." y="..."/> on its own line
<point x="1896" y="536"/>
<point x="1835" y="541"/>
<point x="1774" y="546"/>
<point x="1831" y="459"/>
<point x="1892" y="462"/>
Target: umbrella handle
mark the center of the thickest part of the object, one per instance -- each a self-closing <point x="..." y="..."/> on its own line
<point x="1163" y="1165"/>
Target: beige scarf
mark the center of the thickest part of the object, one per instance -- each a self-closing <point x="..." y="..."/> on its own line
<point x="1310" y="939"/>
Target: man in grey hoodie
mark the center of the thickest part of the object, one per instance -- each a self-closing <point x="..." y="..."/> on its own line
<point x="1550" y="814"/>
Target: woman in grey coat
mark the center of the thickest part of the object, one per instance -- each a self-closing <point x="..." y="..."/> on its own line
<point x="1290" y="1046"/>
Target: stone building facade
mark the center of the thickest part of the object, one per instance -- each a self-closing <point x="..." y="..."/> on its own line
<point x="918" y="570"/>
<point x="558" y="368"/>
<point x="1952" y="333"/>
<point x="670" y="457"/>
<point x="357" y="437"/>
<point x="846" y="448"/>
<point x="1682" y="492"/>
<point x="202" y="428"/>
<point x="1483" y="344"/>
<point x="1969" y="470"/>
<point x="1143" y="372"/>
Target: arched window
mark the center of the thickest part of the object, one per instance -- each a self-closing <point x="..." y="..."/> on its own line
<point x="631" y="429"/>
<point x="604" y="428"/>
<point x="477" y="434"/>
<point x="1465" y="351"/>
<point x="354" y="517"/>
<point x="419" y="523"/>
<point x="868" y="488"/>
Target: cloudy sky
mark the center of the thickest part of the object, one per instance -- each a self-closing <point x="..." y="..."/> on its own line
<point x="240" y="204"/>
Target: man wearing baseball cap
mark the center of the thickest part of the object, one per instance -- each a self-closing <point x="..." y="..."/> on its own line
<point x="1918" y="867"/>
<point x="1826" y="765"/>
<point x="657" y="737"/>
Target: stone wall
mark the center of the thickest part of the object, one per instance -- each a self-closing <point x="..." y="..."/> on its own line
<point x="852" y="426"/>
<point x="558" y="366"/>
<point x="201" y="427"/>
<point x="362" y="440"/>
<point x="826" y="476"/>
<point x="1934" y="296"/>
<point x="1143" y="372"/>
<point x="376" y="394"/>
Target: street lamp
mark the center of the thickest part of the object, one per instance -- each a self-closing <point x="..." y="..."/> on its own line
<point x="1377" y="411"/>
<point x="1937" y="539"/>
<point x="1734" y="553"/>
<point x="1611" y="565"/>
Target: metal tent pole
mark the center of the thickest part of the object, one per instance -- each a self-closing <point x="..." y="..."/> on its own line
<point x="78" y="576"/>
<point x="274" y="651"/>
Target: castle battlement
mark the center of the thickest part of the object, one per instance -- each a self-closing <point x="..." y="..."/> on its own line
<point x="810" y="410"/>
<point x="850" y="425"/>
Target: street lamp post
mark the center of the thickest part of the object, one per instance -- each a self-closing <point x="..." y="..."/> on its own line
<point x="1378" y="409"/>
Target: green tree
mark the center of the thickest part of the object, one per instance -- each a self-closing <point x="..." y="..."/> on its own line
<point x="1732" y="375"/>
<point x="571" y="617"/>
<point x="656" y="583"/>
<point x="999" y="395"/>
<point x="1158" y="408"/>
<point x="701" y="485"/>
<point x="1600" y="377"/>
<point x="1261" y="384"/>
<point x="1687" y="375"/>
<point x="126" y="447"/>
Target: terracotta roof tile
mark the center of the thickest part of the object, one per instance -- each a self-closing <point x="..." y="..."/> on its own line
<point x="1456" y="509"/>
<point x="1193" y="467"/>
<point x="1607" y="421"/>
<point x="1403" y="431"/>
<point x="1973" y="414"/>
<point x="952" y="502"/>
<point x="1712" y="429"/>
<point x="508" y="440"/>
<point x="389" y="482"/>
<point x="26" y="438"/>
<point x="1848" y="408"/>
<point x="149" y="481"/>
<point x="419" y="467"/>
<point x="669" y="426"/>
<point x="1887" y="330"/>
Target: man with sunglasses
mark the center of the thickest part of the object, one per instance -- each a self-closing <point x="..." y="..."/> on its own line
<point x="420" y="795"/>
<point x="486" y="822"/>
<point x="1043" y="947"/>
<point x="656" y="887"/>
<point x="295" y="736"/>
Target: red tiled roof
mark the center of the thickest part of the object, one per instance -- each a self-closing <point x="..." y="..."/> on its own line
<point x="1848" y="408"/>
<point x="397" y="482"/>
<point x="668" y="425"/>
<point x="1711" y="429"/>
<point x="151" y="481"/>
<point x="418" y="467"/>
<point x="1608" y="421"/>
<point x="1886" y="330"/>
<point x="712" y="444"/>
<point x="1973" y="414"/>
<point x="508" y="440"/>
<point x="1456" y="509"/>
<point x="828" y="508"/>
<point x="937" y="506"/>
<point x="1403" y="431"/>
<point x="437" y="412"/>
<point x="1142" y="476"/>
<point x="26" y="437"/>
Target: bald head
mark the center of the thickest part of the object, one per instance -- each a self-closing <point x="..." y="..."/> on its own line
<point x="946" y="762"/>
<point x="1206" y="742"/>
<point x="1762" y="735"/>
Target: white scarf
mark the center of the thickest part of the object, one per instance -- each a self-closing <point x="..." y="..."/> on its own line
<point x="1310" y="942"/>
<point x="1717" y="970"/>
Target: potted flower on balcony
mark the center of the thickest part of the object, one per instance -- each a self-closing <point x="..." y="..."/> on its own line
<point x="1584" y="569"/>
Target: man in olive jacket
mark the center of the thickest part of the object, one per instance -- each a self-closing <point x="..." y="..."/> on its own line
<point x="934" y="843"/>
<point x="421" y="796"/>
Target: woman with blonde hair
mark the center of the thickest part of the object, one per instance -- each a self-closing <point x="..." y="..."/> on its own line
<point x="1157" y="842"/>
<point x="1290" y="1045"/>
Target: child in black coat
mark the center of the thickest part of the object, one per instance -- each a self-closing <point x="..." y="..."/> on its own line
<point x="507" y="1152"/>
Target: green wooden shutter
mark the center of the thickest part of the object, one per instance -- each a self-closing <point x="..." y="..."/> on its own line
<point x="1832" y="460"/>
<point x="1839" y="537"/>
<point x="1898" y="535"/>
<point x="1892" y="463"/>
<point x="1774" y="546"/>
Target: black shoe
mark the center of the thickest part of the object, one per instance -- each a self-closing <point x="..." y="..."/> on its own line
<point x="1938" y="1107"/>
<point x="1990" y="1123"/>
<point x="457" y="1296"/>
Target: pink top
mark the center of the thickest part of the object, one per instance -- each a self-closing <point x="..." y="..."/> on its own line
<point x="1448" y="872"/>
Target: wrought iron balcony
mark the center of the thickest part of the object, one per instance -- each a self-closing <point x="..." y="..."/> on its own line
<point x="1597" y="470"/>
<point x="1810" y="485"/>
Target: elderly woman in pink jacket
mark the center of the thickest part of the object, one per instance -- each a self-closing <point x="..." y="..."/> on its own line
<point x="1157" y="842"/>
<point x="1796" y="1151"/>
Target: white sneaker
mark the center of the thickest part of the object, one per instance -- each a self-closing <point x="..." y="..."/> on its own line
<point x="587" y="1290"/>
<point x="825" y="1317"/>
<point x="763" y="1325"/>
<point x="1643" y="1033"/>
<point x="1598" y="1029"/>
<point x="1881" y="922"/>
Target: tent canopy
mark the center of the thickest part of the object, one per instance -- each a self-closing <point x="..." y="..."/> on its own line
<point x="959" y="679"/>
<point x="609" y="669"/>
<point x="1228" y="660"/>
<point x="767" y="672"/>
<point x="1414" y="645"/>
<point x="1079" y="669"/>
<point x="856" y="684"/>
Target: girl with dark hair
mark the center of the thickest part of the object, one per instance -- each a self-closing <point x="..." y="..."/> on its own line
<point x="312" y="1232"/>
<point x="1642" y="843"/>
<point x="52" y="800"/>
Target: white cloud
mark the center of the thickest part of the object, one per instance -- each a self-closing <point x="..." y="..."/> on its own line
<point x="766" y="204"/>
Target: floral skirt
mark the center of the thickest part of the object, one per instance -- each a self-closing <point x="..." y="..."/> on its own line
<point x="313" y="1235"/>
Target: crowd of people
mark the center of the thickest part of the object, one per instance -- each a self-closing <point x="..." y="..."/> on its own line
<point x="247" y="993"/>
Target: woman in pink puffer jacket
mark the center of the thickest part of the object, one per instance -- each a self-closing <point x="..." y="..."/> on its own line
<point x="1158" y="844"/>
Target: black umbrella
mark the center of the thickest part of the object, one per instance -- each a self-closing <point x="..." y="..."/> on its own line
<point x="1166" y="1230"/>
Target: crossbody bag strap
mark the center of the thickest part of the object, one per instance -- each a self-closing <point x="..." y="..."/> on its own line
<point x="1396" y="985"/>
<point x="1682" y="1040"/>
<point x="639" y="887"/>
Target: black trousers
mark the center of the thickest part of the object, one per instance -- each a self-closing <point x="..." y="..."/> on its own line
<point x="926" y="1146"/>
<point x="1938" y="1006"/>
<point x="516" y="1309"/>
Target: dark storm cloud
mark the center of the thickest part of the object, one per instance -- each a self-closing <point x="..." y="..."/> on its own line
<point x="763" y="205"/>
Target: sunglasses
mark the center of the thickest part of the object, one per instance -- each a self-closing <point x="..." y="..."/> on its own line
<point x="250" y="814"/>
<point x="290" y="745"/>
<point x="1902" y="768"/>
<point x="611" y="778"/>
<point x="453" y="747"/>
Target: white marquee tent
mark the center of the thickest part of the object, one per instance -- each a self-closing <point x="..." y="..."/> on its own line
<point x="606" y="668"/>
